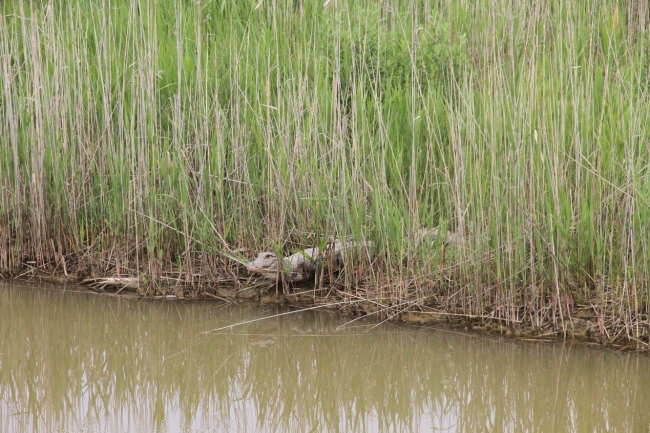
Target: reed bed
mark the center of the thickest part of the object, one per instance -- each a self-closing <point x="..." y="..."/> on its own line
<point x="156" y="135"/>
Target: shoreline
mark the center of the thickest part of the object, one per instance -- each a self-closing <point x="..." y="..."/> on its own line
<point x="580" y="325"/>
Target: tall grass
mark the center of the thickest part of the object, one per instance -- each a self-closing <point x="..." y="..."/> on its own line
<point x="139" y="136"/>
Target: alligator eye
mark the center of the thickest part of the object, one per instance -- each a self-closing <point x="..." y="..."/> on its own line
<point x="269" y="256"/>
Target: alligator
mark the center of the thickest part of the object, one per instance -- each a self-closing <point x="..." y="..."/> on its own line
<point x="302" y="265"/>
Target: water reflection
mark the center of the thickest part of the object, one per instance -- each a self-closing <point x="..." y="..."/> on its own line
<point x="72" y="362"/>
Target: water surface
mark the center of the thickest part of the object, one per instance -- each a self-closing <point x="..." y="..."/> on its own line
<point x="74" y="362"/>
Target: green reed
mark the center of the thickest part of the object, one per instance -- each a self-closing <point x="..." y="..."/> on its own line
<point x="140" y="135"/>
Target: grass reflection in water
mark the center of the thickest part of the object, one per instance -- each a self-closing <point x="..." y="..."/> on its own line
<point x="74" y="361"/>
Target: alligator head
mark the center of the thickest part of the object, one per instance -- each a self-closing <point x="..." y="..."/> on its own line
<point x="266" y="264"/>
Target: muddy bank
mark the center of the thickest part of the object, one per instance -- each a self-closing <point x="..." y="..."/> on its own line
<point x="580" y="322"/>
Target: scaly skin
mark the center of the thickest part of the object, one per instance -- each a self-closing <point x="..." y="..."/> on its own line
<point x="297" y="267"/>
<point x="302" y="265"/>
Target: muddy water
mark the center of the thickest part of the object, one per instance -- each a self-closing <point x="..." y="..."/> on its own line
<point x="80" y="362"/>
